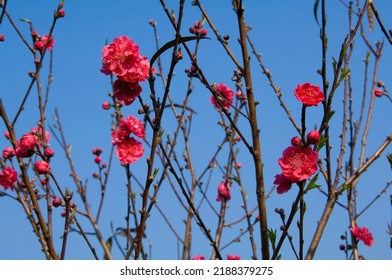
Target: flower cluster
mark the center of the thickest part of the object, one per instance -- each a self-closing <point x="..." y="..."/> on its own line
<point x="128" y="148"/>
<point x="8" y="177"/>
<point x="299" y="161"/>
<point x="363" y="234"/>
<point x="45" y="42"/>
<point x="122" y="59"/>
<point x="198" y="29"/>
<point x="225" y="95"/>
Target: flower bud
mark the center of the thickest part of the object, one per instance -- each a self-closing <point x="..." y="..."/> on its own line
<point x="106" y="105"/>
<point x="1" y="38"/>
<point x="378" y="92"/>
<point x="49" y="152"/>
<point x="97" y="159"/>
<point x="313" y="137"/>
<point x="56" y="202"/>
<point x="42" y="167"/>
<point x="296" y="141"/>
<point x="60" y="14"/>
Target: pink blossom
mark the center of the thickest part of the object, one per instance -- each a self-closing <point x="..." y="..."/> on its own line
<point x="126" y="92"/>
<point x="363" y="234"/>
<point x="26" y="146"/>
<point x="309" y="95"/>
<point x="225" y="96"/>
<point x="199" y="257"/>
<point x="46" y="43"/>
<point x="8" y="152"/>
<point x="298" y="163"/>
<point x="129" y="150"/>
<point x="233" y="257"/>
<point x="223" y="191"/>
<point x="2" y="38"/>
<point x="37" y="132"/>
<point x="8" y="177"/>
<point x="126" y="127"/>
<point x="283" y="184"/>
<point x="28" y="141"/>
<point x="122" y="59"/>
<point x="42" y="167"/>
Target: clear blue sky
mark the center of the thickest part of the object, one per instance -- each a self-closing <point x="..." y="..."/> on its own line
<point x="286" y="34"/>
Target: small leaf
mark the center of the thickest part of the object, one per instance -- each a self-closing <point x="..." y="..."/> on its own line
<point x="312" y="184"/>
<point x="389" y="157"/>
<point x="330" y="115"/>
<point x="156" y="170"/>
<point x="323" y="140"/>
<point x="235" y="179"/>
<point x="25" y="20"/>
<point x="344" y="187"/>
<point x="272" y="236"/>
<point x="345" y="73"/>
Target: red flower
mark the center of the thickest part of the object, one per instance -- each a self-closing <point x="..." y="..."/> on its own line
<point x="26" y="146"/>
<point x="129" y="150"/>
<point x="362" y="233"/>
<point x="8" y="177"/>
<point x="28" y="141"/>
<point x="126" y="92"/>
<point x="308" y="94"/>
<point x="223" y="191"/>
<point x="225" y="96"/>
<point x="198" y="257"/>
<point x="298" y="163"/>
<point x="233" y="257"/>
<point x="42" y="167"/>
<point x="283" y="184"/>
<point x="126" y="127"/>
<point x="122" y="59"/>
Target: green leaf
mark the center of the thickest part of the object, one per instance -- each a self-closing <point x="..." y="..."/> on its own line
<point x="344" y="187"/>
<point x="272" y="236"/>
<point x="323" y="140"/>
<point x="235" y="179"/>
<point x="171" y="44"/>
<point x="312" y="184"/>
<point x="344" y="74"/>
<point x="389" y="157"/>
<point x="330" y="115"/>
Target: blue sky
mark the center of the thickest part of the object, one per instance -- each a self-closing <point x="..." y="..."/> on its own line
<point x="286" y="34"/>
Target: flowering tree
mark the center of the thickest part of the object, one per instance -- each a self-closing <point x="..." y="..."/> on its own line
<point x="166" y="180"/>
